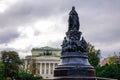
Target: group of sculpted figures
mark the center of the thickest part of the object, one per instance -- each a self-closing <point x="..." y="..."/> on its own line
<point x="73" y="42"/>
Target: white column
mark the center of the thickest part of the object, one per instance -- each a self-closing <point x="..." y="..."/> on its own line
<point x="49" y="69"/>
<point x="53" y="66"/>
<point x="45" y="69"/>
<point x="40" y="68"/>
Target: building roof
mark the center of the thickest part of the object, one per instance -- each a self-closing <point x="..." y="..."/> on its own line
<point x="46" y="48"/>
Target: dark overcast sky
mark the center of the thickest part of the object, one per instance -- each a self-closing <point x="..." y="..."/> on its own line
<point x="25" y="24"/>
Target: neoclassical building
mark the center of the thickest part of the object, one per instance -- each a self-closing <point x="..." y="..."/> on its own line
<point x="43" y="61"/>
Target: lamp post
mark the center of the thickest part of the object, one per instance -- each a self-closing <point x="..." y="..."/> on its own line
<point x="7" y="62"/>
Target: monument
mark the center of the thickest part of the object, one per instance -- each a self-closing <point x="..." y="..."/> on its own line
<point x="74" y="52"/>
<point x="74" y="64"/>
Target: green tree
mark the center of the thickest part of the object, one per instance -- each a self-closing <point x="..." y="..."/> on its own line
<point x="25" y="76"/>
<point x="1" y="71"/>
<point x="108" y="71"/>
<point x="93" y="55"/>
<point x="28" y="76"/>
<point x="15" y="62"/>
<point x="33" y="66"/>
<point x="112" y="59"/>
<point x="38" y="77"/>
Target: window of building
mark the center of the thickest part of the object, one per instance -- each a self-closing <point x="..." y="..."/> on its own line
<point x="43" y="66"/>
<point x="42" y="71"/>
<point x="47" y="71"/>
<point x="38" y="72"/>
<point x="47" y="68"/>
<point x="51" y="71"/>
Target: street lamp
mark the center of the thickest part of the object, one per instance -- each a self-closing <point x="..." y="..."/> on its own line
<point x="7" y="61"/>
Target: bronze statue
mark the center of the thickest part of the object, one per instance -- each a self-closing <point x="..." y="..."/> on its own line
<point x="73" y="20"/>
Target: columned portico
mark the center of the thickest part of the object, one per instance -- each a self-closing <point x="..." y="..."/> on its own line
<point x="40" y="68"/>
<point x="47" y="68"/>
<point x="45" y="59"/>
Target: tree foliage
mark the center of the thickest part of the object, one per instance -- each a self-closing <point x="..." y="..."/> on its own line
<point x="112" y="59"/>
<point x="14" y="65"/>
<point x="28" y="76"/>
<point x="108" y="71"/>
<point x="13" y="55"/>
<point x="93" y="55"/>
<point x="1" y="71"/>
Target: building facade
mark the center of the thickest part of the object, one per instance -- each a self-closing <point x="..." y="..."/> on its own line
<point x="43" y="61"/>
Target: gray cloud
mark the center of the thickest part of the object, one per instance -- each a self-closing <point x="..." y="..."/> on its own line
<point x="36" y="33"/>
<point x="21" y="52"/>
<point x="55" y="44"/>
<point x="8" y="34"/>
<point x="26" y="11"/>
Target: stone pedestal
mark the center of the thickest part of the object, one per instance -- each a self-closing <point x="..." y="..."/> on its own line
<point x="74" y="64"/>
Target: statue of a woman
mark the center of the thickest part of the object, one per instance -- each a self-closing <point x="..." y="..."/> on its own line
<point x="73" y="20"/>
